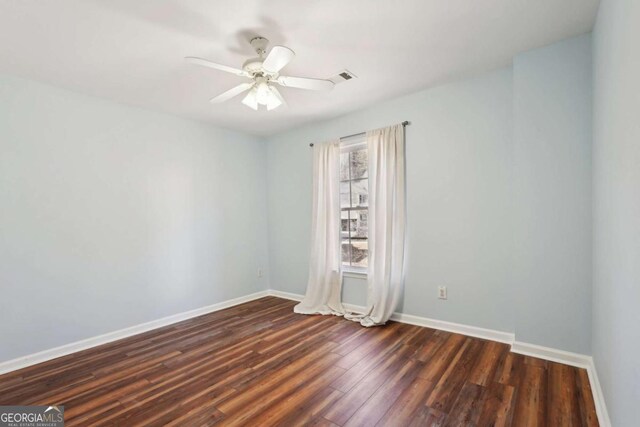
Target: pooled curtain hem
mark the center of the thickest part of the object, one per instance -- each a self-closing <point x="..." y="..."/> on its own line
<point x="364" y="319"/>
<point x="326" y="310"/>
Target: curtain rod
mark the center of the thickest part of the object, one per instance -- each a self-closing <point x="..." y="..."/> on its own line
<point x="405" y="123"/>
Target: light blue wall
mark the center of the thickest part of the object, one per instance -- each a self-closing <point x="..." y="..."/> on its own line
<point x="459" y="150"/>
<point x="552" y="164"/>
<point x="111" y="216"/>
<point x="616" y="207"/>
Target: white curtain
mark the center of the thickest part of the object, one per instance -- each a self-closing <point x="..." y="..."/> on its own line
<point x="324" y="285"/>
<point x="387" y="222"/>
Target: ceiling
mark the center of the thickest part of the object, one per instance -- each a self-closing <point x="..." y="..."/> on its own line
<point x="131" y="51"/>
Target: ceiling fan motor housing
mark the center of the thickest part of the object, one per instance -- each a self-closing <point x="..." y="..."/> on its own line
<point x="253" y="65"/>
<point x="259" y="44"/>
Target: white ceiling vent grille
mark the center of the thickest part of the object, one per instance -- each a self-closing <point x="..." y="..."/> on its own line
<point x="343" y="76"/>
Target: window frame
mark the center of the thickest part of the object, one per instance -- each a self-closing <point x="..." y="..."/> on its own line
<point x="348" y="145"/>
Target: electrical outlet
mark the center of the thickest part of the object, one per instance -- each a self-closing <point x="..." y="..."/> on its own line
<point x="260" y="273"/>
<point x="442" y="292"/>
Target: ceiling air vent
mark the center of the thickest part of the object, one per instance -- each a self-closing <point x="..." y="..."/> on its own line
<point x="343" y="76"/>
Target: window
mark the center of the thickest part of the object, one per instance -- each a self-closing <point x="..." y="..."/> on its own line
<point x="354" y="204"/>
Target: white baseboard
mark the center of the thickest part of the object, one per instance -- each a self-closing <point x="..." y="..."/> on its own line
<point x="598" y="395"/>
<point x="458" y="328"/>
<point x="551" y="354"/>
<point x="285" y="295"/>
<point x="43" y="356"/>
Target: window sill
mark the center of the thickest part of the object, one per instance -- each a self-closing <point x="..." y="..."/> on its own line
<point x="356" y="274"/>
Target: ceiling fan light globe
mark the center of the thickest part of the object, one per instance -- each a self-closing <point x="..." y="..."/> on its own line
<point x="251" y="100"/>
<point x="263" y="93"/>
<point x="273" y="103"/>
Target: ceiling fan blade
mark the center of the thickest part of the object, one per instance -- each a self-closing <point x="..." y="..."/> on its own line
<point x="205" y="63"/>
<point x="231" y="93"/>
<point x="279" y="100"/>
<point x="277" y="59"/>
<point x="305" y="83"/>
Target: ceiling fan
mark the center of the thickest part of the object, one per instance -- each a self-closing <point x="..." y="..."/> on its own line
<point x="264" y="74"/>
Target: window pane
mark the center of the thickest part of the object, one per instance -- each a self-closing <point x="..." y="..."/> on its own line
<point x="345" y="200"/>
<point x="354" y="199"/>
<point x="359" y="252"/>
<point x="344" y="166"/>
<point x="360" y="228"/>
<point x="346" y="251"/>
<point x="359" y="164"/>
<point x="360" y="193"/>
<point x="344" y="224"/>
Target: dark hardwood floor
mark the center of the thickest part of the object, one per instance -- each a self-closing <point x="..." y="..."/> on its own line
<point x="260" y="364"/>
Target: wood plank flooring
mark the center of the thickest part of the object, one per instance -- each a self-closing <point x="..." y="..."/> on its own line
<point x="259" y="364"/>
